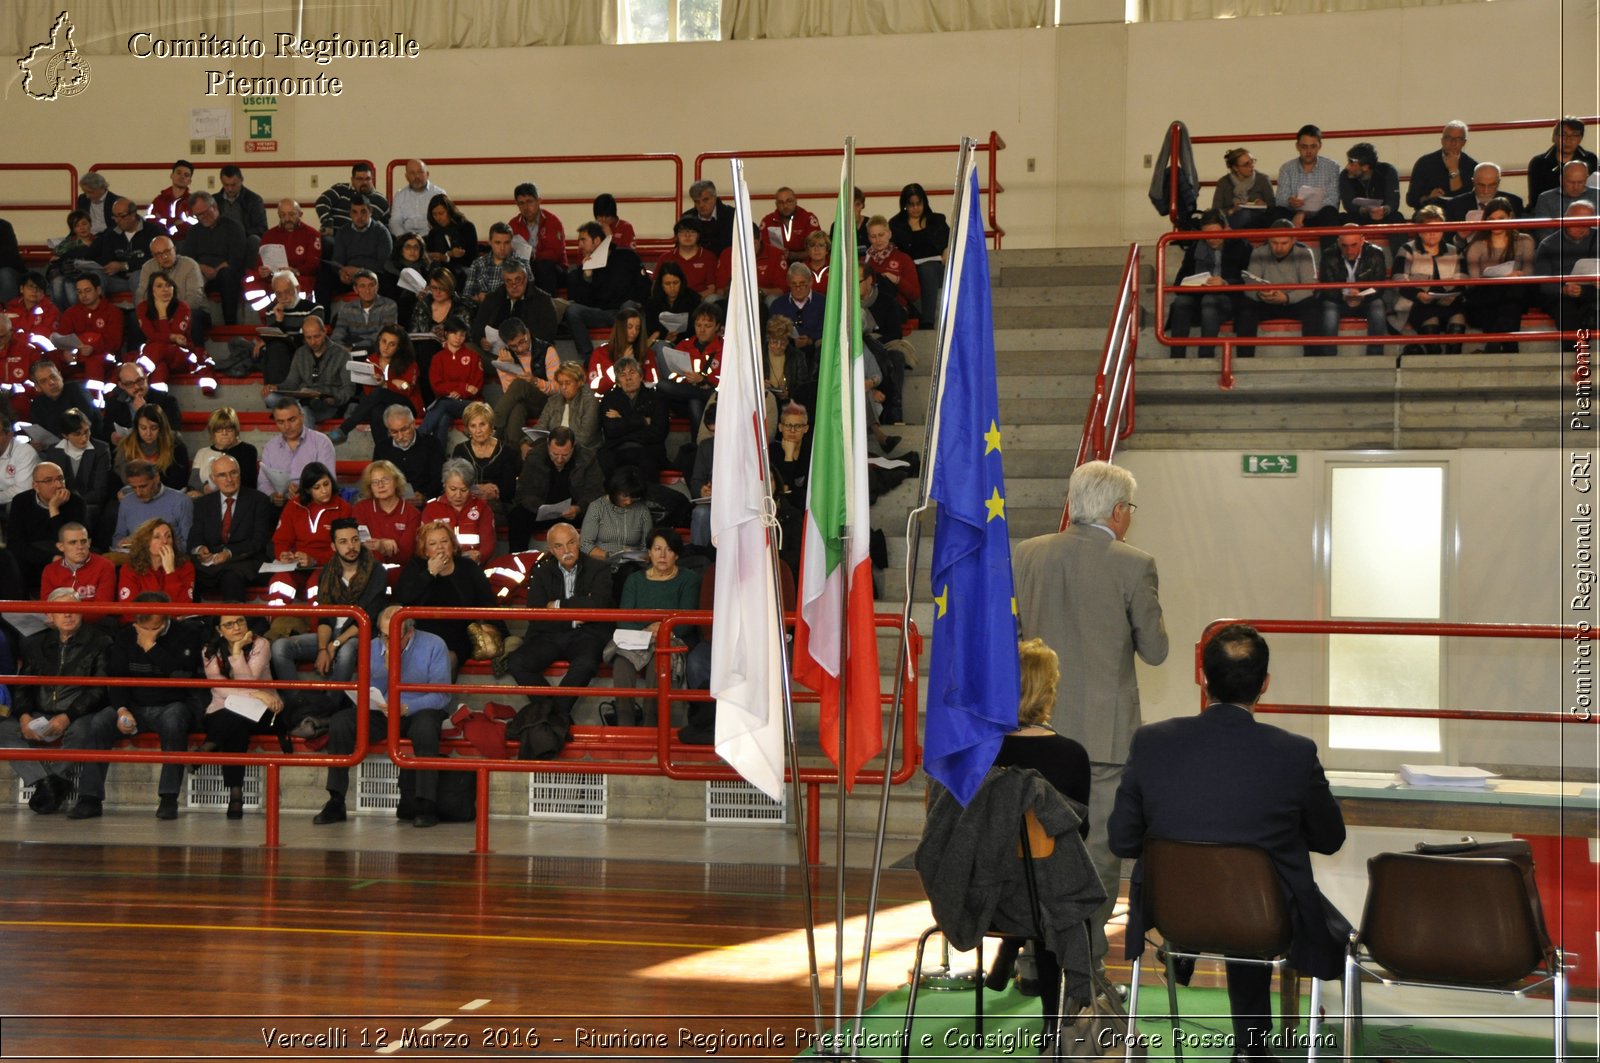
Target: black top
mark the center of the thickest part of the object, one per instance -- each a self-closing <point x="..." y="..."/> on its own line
<point x="1063" y="763"/>
<point x="465" y="587"/>
<point x="499" y="468"/>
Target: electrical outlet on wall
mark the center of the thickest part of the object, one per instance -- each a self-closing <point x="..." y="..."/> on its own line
<point x="1032" y="163"/>
<point x="197" y="147"/>
<point x="313" y="180"/>
<point x="1149" y="161"/>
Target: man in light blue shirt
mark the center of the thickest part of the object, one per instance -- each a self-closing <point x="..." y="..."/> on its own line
<point x="423" y="659"/>
<point x="148" y="498"/>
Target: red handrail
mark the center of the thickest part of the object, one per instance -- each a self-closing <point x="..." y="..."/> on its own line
<point x="1228" y="343"/>
<point x="674" y="199"/>
<point x="671" y="759"/>
<point x="993" y="145"/>
<point x="65" y="207"/>
<point x="1111" y="409"/>
<point x="1411" y="627"/>
<point x="247" y="165"/>
<point x="271" y="761"/>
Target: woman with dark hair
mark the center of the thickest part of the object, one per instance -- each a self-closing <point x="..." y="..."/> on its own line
<point x="86" y="462"/>
<point x="669" y="294"/>
<point x="1243" y="195"/>
<point x="154" y="564"/>
<point x="303" y="536"/>
<point x="165" y="322"/>
<point x="439" y="302"/>
<point x="235" y="652"/>
<point x="409" y="252"/>
<point x="62" y="272"/>
<point x="661" y="585"/>
<point x="616" y="527"/>
<point x="627" y="341"/>
<point x="32" y="311"/>
<point x="925" y="237"/>
<point x="438" y="576"/>
<point x="395" y="362"/>
<point x="1502" y="252"/>
<point x="452" y="240"/>
<point x="153" y="440"/>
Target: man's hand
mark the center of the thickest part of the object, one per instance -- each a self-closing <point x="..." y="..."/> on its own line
<point x="609" y="414"/>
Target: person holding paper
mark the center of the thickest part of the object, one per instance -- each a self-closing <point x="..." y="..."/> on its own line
<point x="1475" y="201"/>
<point x="438" y="303"/>
<point x="605" y="214"/>
<point x="131" y="394"/>
<point x="381" y="509"/>
<point x="285" y="457"/>
<point x="616" y="528"/>
<point x="608" y="279"/>
<point x="1356" y="265"/>
<point x="154" y="441"/>
<point x="55" y="397"/>
<point x="302" y="533"/>
<point x="298" y="248"/>
<point x="232" y="532"/>
<point x="671" y="301"/>
<point x="356" y="321"/>
<point x="1572" y="249"/>
<point x="320" y="365"/>
<point x="36" y="519"/>
<point x="517" y="298"/>
<point x="1369" y="190"/>
<point x="282" y="319"/>
<point x="1243" y="195"/>
<point x="404" y="275"/>
<point x="788" y="224"/>
<point x="663" y="585"/>
<point x="451" y="239"/>
<point x="415" y="454"/>
<point x="470" y="518"/>
<point x="558" y="472"/>
<point x="545" y="240"/>
<point x="1502" y="252"/>
<point x="147" y="498"/>
<point x="573" y="405"/>
<point x="234" y="714"/>
<point x="485" y="275"/>
<point x="1282" y="260"/>
<point x="524" y="393"/>
<point x="394" y="365"/>
<point x="155" y="564"/>
<point x="1308" y="184"/>
<point x="98" y="324"/>
<point x="1429" y="308"/>
<point x="692" y="369"/>
<point x="1207" y="263"/>
<point x="71" y="649"/>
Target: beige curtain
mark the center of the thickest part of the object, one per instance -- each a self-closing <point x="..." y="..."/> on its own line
<point x="1180" y="10"/>
<point x="784" y="19"/>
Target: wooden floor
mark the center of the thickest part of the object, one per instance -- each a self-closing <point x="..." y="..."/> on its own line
<point x="184" y="952"/>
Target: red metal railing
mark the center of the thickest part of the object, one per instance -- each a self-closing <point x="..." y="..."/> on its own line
<point x="271" y="761"/>
<point x="160" y="170"/>
<point x="653" y="753"/>
<point x="1110" y="416"/>
<point x="1398" y="627"/>
<point x="1343" y="134"/>
<point x="1228" y="343"/>
<point x="991" y="190"/>
<point x="673" y="200"/>
<point x="62" y="207"/>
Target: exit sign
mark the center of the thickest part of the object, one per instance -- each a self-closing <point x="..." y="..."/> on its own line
<point x="1271" y="464"/>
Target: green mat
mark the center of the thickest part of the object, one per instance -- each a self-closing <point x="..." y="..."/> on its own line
<point x="945" y="1029"/>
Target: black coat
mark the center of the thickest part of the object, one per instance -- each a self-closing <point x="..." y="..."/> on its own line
<point x="46" y="412"/>
<point x="250" y="534"/>
<point x="1456" y="207"/>
<point x="176" y="654"/>
<point x="82" y="656"/>
<point x="31" y="533"/>
<point x="119" y="413"/>
<point x="534" y="309"/>
<point x="94" y="480"/>
<point x="591" y="589"/>
<point x="1224" y="776"/>
<point x="422" y="464"/>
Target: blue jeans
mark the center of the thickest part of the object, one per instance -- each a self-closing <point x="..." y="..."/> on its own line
<point x="440" y="416"/>
<point x="580" y="319"/>
<point x="173" y="721"/>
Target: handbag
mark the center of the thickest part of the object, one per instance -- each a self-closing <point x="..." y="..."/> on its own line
<point x="487" y="641"/>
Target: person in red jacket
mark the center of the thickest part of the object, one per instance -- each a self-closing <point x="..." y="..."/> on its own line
<point x="17" y="355"/>
<point x="97" y="322"/>
<point x="390" y="521"/>
<point x="88" y="575"/>
<point x="302" y="247"/>
<point x="165" y="321"/>
<point x="171" y="207"/>
<point x="302" y="536"/>
<point x="155" y="565"/>
<point x="692" y="390"/>
<point x="892" y="264"/>
<point x="772" y="270"/>
<point x="541" y="231"/>
<point x="699" y="265"/>
<point x="456" y="374"/>
<point x="32" y="311"/>
<point x="789" y="224"/>
<point x="472" y="518"/>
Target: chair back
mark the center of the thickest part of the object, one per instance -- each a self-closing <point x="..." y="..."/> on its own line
<point x="1464" y="920"/>
<point x="1208" y="897"/>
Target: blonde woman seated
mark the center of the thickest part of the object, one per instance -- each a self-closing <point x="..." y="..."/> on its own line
<point x="223" y="427"/>
<point x="382" y="509"/>
<point x="573" y="405"/>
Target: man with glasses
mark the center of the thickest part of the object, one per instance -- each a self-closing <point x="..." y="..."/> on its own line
<point x="1485" y="186"/>
<point x="525" y="399"/>
<point x="1440" y="175"/>
<point x="232" y="533"/>
<point x="221" y="248"/>
<point x="186" y="276"/>
<point x="1093" y="599"/>
<point x="124" y="248"/>
<point x="1566" y="145"/>
<point x="518" y="298"/>
<point x="418" y="456"/>
<point x="123" y="403"/>
<point x="1308" y="184"/>
<point x="36" y="520"/>
<point x="295" y="446"/>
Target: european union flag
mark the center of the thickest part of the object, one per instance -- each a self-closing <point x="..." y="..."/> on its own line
<point x="973" y="679"/>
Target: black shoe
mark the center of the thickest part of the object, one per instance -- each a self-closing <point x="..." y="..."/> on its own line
<point x="48" y="794"/>
<point x="167" y="807"/>
<point x="427" y="815"/>
<point x="405" y="809"/>
<point x="332" y="812"/>
<point x="86" y="808"/>
<point x="235" y="803"/>
<point x="889" y="443"/>
<point x="608" y="713"/>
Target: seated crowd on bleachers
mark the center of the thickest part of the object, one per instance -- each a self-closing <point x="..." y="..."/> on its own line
<point x="388" y="318"/>
<point x="1446" y="186"/>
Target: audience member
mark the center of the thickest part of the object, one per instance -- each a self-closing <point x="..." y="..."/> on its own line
<point x="17" y="461"/>
<point x="516" y="298"/>
<point x="670" y="295"/>
<point x="234" y="652"/>
<point x="1502" y="252"/>
<point x="124" y="248"/>
<point x="697" y="267"/>
<point x="382" y="509"/>
<point x="1429" y="309"/>
<point x="788" y="224"/>
<point x="98" y="324"/>
<point x="791" y="372"/>
<point x="891" y="264"/>
<point x="35" y="521"/>
<point x="55" y="397"/>
<point x="221" y="248"/>
<point x="408" y="213"/>
<point x="801" y="307"/>
<point x="1485" y="188"/>
<point x="1282" y="260"/>
<point x="714" y="217"/>
<point x="408" y="253"/>
<point x="286" y="314"/>
<point x="494" y="464"/>
<point x="302" y="247"/>
<point x="558" y="471"/>
<point x="1218" y="261"/>
<point x="184" y="274"/>
<point x="17" y="353"/>
<point x="356" y="321"/>
<point x="1308" y="184"/>
<point x="422" y="660"/>
<point x="772" y="270"/>
<point x="469" y="518"/>
<point x="11" y="264"/>
<point x="152" y="647"/>
<point x="545" y="240"/>
<point x="1443" y="174"/>
<point x="615" y="527"/>
<point x="417" y="455"/>
<point x="456" y="374"/>
<point x="605" y="215"/>
<point x="438" y="303"/>
<point x="486" y="273"/>
<point x="924" y="236"/>
<point x="691" y="390"/>
<point x="240" y="204"/>
<point x="1574" y="188"/>
<point x="153" y="441"/>
<point x="146" y="499"/>
<point x="32" y="311"/>
<point x="607" y="279"/>
<point x="335" y="207"/>
<point x="168" y="326"/>
<point x="564" y="578"/>
<point x="627" y="341"/>
<point x="133" y="393"/>
<point x="78" y="570"/>
<point x="525" y="394"/>
<point x="572" y="405"/>
<point x="705" y="456"/>
<point x="69" y="649"/>
<point x="819" y="252"/>
<point x="663" y="584"/>
<point x="223" y="428"/>
<point x="1356" y="265"/>
<point x="451" y="240"/>
<point x="319" y="373"/>
<point x="1264" y="787"/>
<point x="302" y="535"/>
<point x="86" y="463"/>
<point x="63" y="270"/>
<point x="155" y="563"/>
<point x="1242" y="195"/>
<point x="395" y="363"/>
<point x="172" y="207"/>
<point x="1566" y="145"/>
<point x="1571" y="302"/>
<point x="1369" y="190"/>
<point x="438" y="577"/>
<point x="232" y="534"/>
<point x="285" y="456"/>
<point x="96" y="199"/>
<point x="361" y="246"/>
<point x="634" y="423"/>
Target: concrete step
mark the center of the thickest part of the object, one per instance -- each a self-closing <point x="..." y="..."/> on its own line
<point x="1066" y="275"/>
<point x="1099" y="295"/>
<point x="1085" y="316"/>
<point x="1077" y="387"/>
<point x="1059" y="256"/>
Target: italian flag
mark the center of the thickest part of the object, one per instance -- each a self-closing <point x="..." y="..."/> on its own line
<point x="834" y="549"/>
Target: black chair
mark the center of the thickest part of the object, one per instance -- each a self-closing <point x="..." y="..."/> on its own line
<point x="1461" y="917"/>
<point x="1213" y="901"/>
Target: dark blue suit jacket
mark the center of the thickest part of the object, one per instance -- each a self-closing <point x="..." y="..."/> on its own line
<point x="1224" y="776"/>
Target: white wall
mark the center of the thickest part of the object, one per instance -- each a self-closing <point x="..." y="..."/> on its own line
<point x="1085" y="103"/>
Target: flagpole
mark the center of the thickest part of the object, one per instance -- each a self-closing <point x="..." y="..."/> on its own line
<point x="913" y="545"/>
<point x="758" y="399"/>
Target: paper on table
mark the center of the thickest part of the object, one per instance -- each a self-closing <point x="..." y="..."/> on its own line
<point x="628" y="639"/>
<point x="245" y="705"/>
<point x="552" y="510"/>
<point x="1194" y="280"/>
<point x="1458" y="776"/>
<point x="1501" y="269"/>
<point x="1310" y="197"/>
<point x="412" y="281"/>
<point x="274" y="257"/>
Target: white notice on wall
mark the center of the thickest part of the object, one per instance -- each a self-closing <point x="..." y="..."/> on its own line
<point x="208" y="122"/>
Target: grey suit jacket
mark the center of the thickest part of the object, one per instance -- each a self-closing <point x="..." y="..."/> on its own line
<point x="1094" y="601"/>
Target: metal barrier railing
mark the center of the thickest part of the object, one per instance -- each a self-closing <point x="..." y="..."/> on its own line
<point x="1164" y="290"/>
<point x="1111" y="409"/>
<point x="62" y="207"/>
<point x="160" y="170"/>
<point x="664" y="756"/>
<point x="272" y="762"/>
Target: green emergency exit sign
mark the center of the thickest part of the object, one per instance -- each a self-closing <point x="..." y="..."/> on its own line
<point x="1271" y="464"/>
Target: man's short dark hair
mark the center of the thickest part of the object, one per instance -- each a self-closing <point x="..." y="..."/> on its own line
<point x="341" y="524"/>
<point x="593" y="230"/>
<point x="231" y="170"/>
<point x="711" y="310"/>
<point x="185" y="163"/>
<point x="499" y="228"/>
<point x="526" y="188"/>
<point x="92" y="278"/>
<point x="561" y="435"/>
<point x="511" y="328"/>
<point x="1235" y="664"/>
<point x="361" y="167"/>
<point x="359" y="200"/>
<point x="605" y="205"/>
<point x="140" y="470"/>
<point x="1364" y="153"/>
<point x="1574" y="124"/>
<point x="1309" y="130"/>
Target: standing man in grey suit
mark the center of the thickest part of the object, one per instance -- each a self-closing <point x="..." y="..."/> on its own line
<point x="1093" y="599"/>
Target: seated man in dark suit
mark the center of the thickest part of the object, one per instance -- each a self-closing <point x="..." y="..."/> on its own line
<point x="565" y="578"/>
<point x="559" y="470"/>
<point x="517" y="297"/>
<point x="35" y="520"/>
<point x="232" y="533"/>
<point x="608" y="279"/>
<point x="1224" y="776"/>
